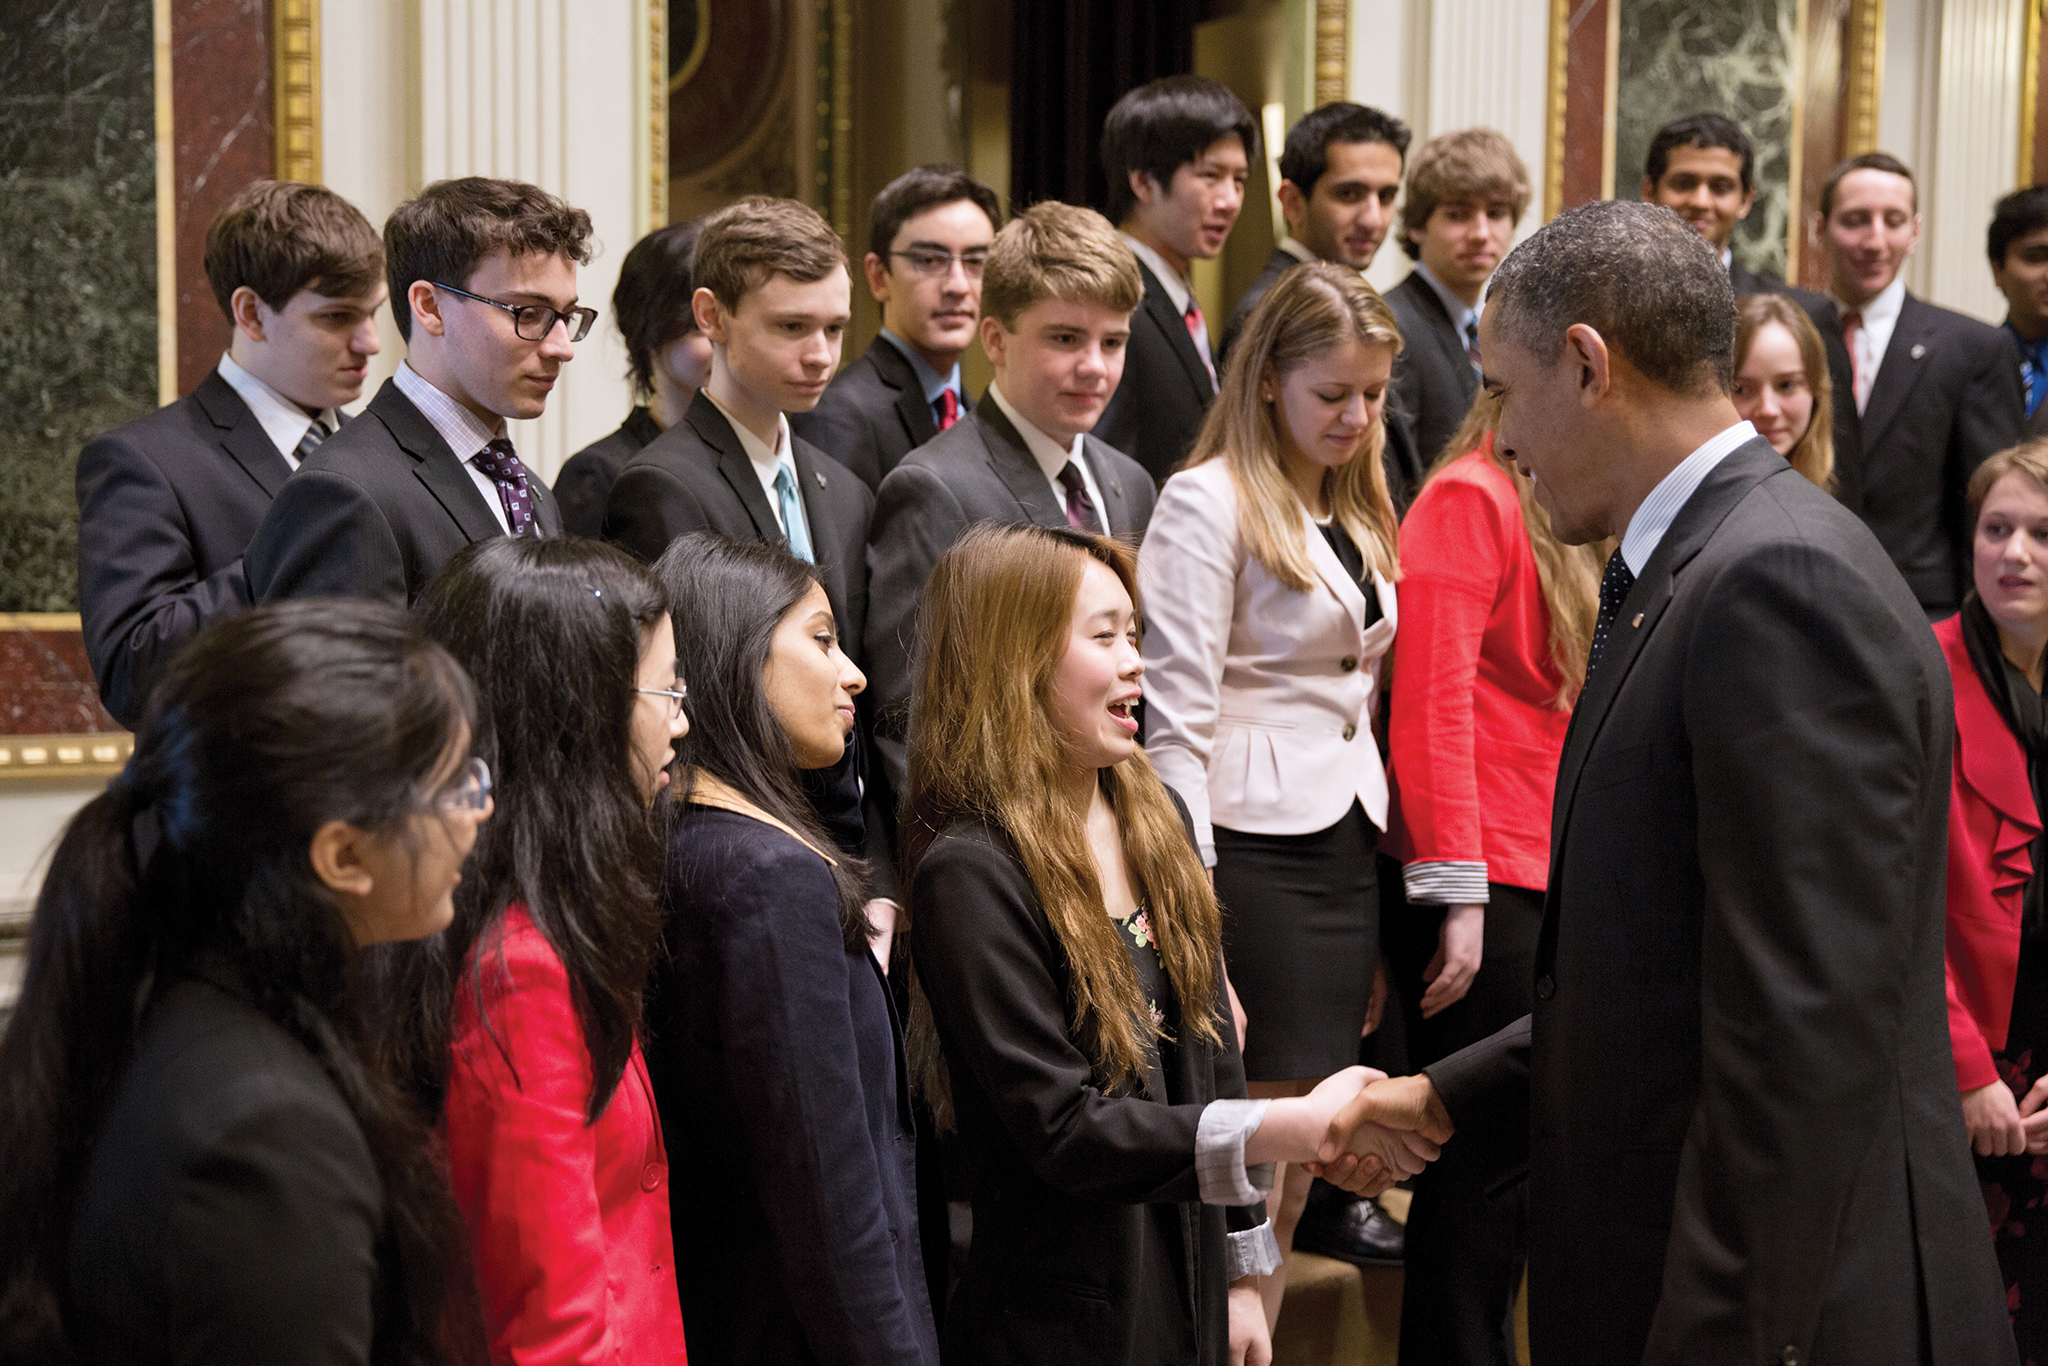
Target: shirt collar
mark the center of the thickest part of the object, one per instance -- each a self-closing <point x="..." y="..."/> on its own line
<point x="1646" y="529"/>
<point x="764" y="456"/>
<point x="1727" y="258"/>
<point x="462" y="429"/>
<point x="1296" y="250"/>
<point x="282" y="420"/>
<point x="934" y="383"/>
<point x="1462" y="314"/>
<point x="1170" y="280"/>
<point x="1050" y="455"/>
<point x="1883" y="310"/>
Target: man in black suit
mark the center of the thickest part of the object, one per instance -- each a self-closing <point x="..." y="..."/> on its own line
<point x="484" y="272"/>
<point x="2018" y="245"/>
<point x="168" y="502"/>
<point x="929" y="237"/>
<point x="1703" y="168"/>
<point x="1735" y="1098"/>
<point x="1176" y="152"/>
<point x="1922" y="394"/>
<point x="1466" y="192"/>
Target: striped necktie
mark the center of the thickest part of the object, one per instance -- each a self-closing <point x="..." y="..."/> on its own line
<point x="316" y="432"/>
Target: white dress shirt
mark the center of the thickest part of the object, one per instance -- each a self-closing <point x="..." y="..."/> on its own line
<point x="1053" y="457"/>
<point x="282" y="420"/>
<point x="766" y="460"/>
<point x="462" y="429"/>
<point x="1880" y="319"/>
<point x="1178" y="290"/>
<point x="1646" y="529"/>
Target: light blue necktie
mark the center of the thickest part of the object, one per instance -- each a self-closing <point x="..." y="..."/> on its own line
<point x="792" y="514"/>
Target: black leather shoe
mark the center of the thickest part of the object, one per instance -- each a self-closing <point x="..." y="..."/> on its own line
<point x="1338" y="1224"/>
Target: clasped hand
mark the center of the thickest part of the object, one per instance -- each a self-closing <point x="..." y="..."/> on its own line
<point x="1382" y="1130"/>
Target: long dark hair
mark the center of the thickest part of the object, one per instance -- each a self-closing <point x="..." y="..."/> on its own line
<point x="268" y="726"/>
<point x="728" y="597"/>
<point x="551" y="629"/>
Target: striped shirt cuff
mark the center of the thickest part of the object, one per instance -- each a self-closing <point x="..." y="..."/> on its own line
<point x="1219" y="1153"/>
<point x="1446" y="882"/>
<point x="1254" y="1252"/>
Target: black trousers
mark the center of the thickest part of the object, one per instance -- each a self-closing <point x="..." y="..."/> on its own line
<point x="1466" y="1248"/>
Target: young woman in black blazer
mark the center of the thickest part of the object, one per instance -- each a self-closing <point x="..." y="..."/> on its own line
<point x="1066" y="945"/>
<point x="777" y="1061"/>
<point x="202" y="1161"/>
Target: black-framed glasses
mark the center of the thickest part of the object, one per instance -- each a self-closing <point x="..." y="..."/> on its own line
<point x="932" y="263"/>
<point x="533" y="322"/>
<point x="674" y="695"/>
<point x="469" y="790"/>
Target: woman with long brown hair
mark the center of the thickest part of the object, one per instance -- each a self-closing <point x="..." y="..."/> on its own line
<point x="1781" y="383"/>
<point x="1066" y="947"/>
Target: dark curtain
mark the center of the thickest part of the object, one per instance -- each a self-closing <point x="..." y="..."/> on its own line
<point x="1070" y="60"/>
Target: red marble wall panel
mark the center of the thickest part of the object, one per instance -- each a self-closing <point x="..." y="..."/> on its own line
<point x="1585" y="103"/>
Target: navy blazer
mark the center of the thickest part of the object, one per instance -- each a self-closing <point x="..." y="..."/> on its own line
<point x="779" y="1072"/>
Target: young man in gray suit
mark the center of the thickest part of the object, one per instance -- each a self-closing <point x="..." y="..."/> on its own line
<point x="168" y="502"/>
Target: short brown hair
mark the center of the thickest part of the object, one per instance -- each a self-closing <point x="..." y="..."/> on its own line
<point x="2029" y="458"/>
<point x="1477" y="163"/>
<point x="279" y="237"/>
<point x="1059" y="251"/>
<point x="1869" y="161"/>
<point x="751" y="239"/>
<point x="445" y="234"/>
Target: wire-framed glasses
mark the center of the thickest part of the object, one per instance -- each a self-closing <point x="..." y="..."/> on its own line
<point x="674" y="695"/>
<point x="469" y="790"/>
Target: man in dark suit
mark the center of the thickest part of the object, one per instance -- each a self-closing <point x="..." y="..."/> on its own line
<point x="168" y="502"/>
<point x="929" y="233"/>
<point x="1922" y="394"/>
<point x="1703" y="168"/>
<point x="1176" y="152"/>
<point x="2018" y="245"/>
<point x="1466" y="192"/>
<point x="427" y="469"/>
<point x="1735" y="1099"/>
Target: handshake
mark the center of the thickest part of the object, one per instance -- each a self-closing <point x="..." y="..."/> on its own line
<point x="1379" y="1129"/>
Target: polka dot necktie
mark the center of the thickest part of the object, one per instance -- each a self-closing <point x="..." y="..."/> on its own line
<point x="1080" y="507"/>
<point x="1614" y="586"/>
<point x="503" y="468"/>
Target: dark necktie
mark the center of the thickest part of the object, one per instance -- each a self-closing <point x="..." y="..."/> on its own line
<point x="503" y="468"/>
<point x="316" y="432"/>
<point x="948" y="408"/>
<point x="1472" y="342"/>
<point x="1080" y="507"/>
<point x="1198" y="332"/>
<point x="1614" y="586"/>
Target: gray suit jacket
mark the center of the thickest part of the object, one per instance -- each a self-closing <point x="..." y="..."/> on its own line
<point x="872" y="415"/>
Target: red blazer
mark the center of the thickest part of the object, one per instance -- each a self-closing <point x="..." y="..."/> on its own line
<point x="1474" y="732"/>
<point x="1991" y="824"/>
<point x="569" y="1220"/>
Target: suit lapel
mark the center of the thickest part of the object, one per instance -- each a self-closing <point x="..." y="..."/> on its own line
<point x="896" y="372"/>
<point x="1899" y="370"/>
<point x="821" y="509"/>
<point x="1116" y="518"/>
<point x="241" y="435"/>
<point x="1014" y="464"/>
<point x="734" y="467"/>
<point x="1445" y="332"/>
<point x="1159" y="307"/>
<point x="1331" y="571"/>
<point x="435" y="465"/>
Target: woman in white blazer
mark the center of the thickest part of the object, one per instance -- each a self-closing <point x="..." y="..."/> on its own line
<point x="1268" y="582"/>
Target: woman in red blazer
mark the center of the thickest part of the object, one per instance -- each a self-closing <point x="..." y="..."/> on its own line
<point x="554" y="1151"/>
<point x="1496" y="619"/>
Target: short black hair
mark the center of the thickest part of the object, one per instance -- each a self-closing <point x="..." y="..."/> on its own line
<point x="1868" y="161"/>
<point x="1700" y="130"/>
<point x="1162" y="126"/>
<point x="2019" y="213"/>
<point x="1306" y="154"/>
<point x="921" y="188"/>
<point x="652" y="301"/>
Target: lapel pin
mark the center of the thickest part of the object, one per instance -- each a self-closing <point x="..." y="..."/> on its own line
<point x="821" y="478"/>
<point x="1918" y="350"/>
<point x="1638" y="621"/>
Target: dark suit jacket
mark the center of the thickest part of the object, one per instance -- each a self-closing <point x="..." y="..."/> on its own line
<point x="1736" y="1088"/>
<point x="376" y="511"/>
<point x="1946" y="397"/>
<point x="231" y="1210"/>
<point x="1747" y="281"/>
<point x="872" y="416"/>
<point x="166" y="506"/>
<point x="585" y="479"/>
<point x="2037" y="425"/>
<point x="1433" y="379"/>
<point x="1165" y="392"/>
<point x="780" y="1075"/>
<point x="1278" y="264"/>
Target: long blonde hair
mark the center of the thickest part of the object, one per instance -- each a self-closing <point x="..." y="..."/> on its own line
<point x="994" y="626"/>
<point x="1569" y="574"/>
<point x="1813" y="455"/>
<point x="1309" y="310"/>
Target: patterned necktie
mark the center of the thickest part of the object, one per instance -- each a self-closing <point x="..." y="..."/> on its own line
<point x="1472" y="342"/>
<point x="793" y="515"/>
<point x="1614" y="586"/>
<point x="316" y="432"/>
<point x="2033" y="367"/>
<point x="1198" y="333"/>
<point x="1080" y="507"/>
<point x="502" y="466"/>
<point x="949" y="408"/>
<point x="1852" y="332"/>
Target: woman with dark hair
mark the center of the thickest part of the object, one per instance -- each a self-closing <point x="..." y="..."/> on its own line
<point x="668" y="360"/>
<point x="778" y="1064"/>
<point x="1071" y="1022"/>
<point x="202" y="1163"/>
<point x="531" y="1044"/>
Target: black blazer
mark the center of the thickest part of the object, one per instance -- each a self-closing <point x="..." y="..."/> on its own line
<point x="1090" y="1243"/>
<point x="1433" y="379"/>
<point x="779" y="1071"/>
<point x="1277" y="265"/>
<point x="1745" y="281"/>
<point x="585" y="479"/>
<point x="166" y="506"/>
<point x="872" y="415"/>
<point x="1736" y="1090"/>
<point x="1946" y="397"/>
<point x="376" y="511"/>
<point x="2037" y="425"/>
<point x="231" y="1210"/>
<point x="1165" y="392"/>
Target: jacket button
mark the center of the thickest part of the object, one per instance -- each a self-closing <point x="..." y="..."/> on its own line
<point x="650" y="1177"/>
<point x="1545" y="987"/>
<point x="1348" y="663"/>
<point x="1790" y="1356"/>
<point x="1349" y="730"/>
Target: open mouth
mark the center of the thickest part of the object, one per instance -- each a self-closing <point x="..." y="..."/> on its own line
<point x="1122" y="713"/>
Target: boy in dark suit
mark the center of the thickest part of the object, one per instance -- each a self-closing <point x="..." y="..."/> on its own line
<point x="483" y="276"/>
<point x="1176" y="152"/>
<point x="1703" y="167"/>
<point x="929" y="237"/>
<point x="167" y="503"/>
<point x="2018" y="246"/>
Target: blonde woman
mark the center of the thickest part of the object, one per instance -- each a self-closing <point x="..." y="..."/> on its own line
<point x="1269" y="569"/>
<point x="1781" y="383"/>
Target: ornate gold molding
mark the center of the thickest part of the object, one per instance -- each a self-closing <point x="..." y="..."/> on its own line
<point x="1333" y="52"/>
<point x="296" y="53"/>
<point x="2030" y="92"/>
<point x="1554" y="108"/>
<point x="654" y="213"/>
<point x="1862" y="76"/>
<point x="166" y="211"/>
<point x="64" y="756"/>
<point x="842" y="117"/>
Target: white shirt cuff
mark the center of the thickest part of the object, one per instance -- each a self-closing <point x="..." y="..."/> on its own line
<point x="1219" y="1153"/>
<point x="1445" y="882"/>
<point x="1254" y="1252"/>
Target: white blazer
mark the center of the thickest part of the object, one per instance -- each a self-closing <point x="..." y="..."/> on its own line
<point x="1259" y="699"/>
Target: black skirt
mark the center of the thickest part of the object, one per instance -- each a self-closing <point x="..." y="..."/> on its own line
<point x="1300" y="936"/>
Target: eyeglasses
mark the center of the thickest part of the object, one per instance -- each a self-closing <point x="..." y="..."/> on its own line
<point x="931" y="262"/>
<point x="533" y="322"/>
<point x="470" y="790"/>
<point x="674" y="695"/>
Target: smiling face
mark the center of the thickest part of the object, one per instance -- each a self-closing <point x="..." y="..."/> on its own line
<point x="471" y="351"/>
<point x="1463" y="240"/>
<point x="1095" y="688"/>
<point x="1348" y="215"/>
<point x="1190" y="217"/>
<point x="1703" y="185"/>
<point x="780" y="347"/>
<point x="1772" y="391"/>
<point x="2010" y="562"/>
<point x="810" y="683"/>
<point x="1869" y="232"/>
<point x="1060" y="366"/>
<point x="2023" y="280"/>
<point x="657" y="721"/>
<point x="1326" y="407"/>
<point x="315" y="350"/>
<point x="937" y="314"/>
<point x="1544" y="429"/>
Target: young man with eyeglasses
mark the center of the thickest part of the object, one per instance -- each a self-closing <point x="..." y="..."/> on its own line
<point x="929" y="234"/>
<point x="483" y="284"/>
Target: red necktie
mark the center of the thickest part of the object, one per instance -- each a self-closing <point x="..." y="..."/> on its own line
<point x="949" y="408"/>
<point x="1198" y="333"/>
<point x="1852" y="328"/>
